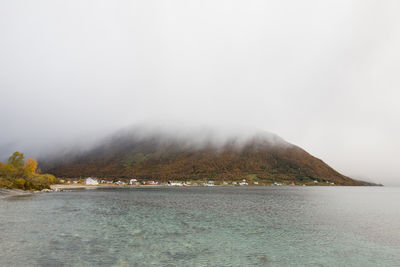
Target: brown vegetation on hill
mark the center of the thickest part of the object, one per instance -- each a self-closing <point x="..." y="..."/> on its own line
<point x="159" y="158"/>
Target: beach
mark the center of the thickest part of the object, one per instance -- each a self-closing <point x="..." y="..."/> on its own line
<point x="4" y="192"/>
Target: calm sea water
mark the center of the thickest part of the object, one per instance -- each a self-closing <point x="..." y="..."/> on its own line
<point x="218" y="226"/>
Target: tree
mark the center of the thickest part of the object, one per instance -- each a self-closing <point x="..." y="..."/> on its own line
<point x="16" y="159"/>
<point x="8" y="171"/>
<point x="16" y="174"/>
<point x="30" y="165"/>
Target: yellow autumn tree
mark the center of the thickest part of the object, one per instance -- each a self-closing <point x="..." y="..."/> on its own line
<point x="31" y="165"/>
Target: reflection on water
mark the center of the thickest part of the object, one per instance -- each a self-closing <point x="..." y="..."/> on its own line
<point x="218" y="226"/>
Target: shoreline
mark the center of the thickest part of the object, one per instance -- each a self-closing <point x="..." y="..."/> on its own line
<point x="5" y="193"/>
<point x="62" y="187"/>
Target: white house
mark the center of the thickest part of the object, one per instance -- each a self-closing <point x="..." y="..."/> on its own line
<point x="91" y="181"/>
<point x="243" y="182"/>
<point x="133" y="181"/>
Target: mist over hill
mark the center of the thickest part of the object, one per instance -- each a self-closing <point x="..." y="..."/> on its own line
<point x="160" y="154"/>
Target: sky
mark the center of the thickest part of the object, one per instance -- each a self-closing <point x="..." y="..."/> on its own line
<point x="323" y="75"/>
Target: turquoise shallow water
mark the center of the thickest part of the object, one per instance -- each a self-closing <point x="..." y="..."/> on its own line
<point x="213" y="226"/>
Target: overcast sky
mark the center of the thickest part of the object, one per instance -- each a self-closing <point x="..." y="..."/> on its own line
<point x="323" y="75"/>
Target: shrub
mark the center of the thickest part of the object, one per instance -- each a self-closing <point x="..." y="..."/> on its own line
<point x="23" y="175"/>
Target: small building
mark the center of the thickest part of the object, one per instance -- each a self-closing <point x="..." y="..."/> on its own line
<point x="133" y="181"/>
<point x="244" y="182"/>
<point x="175" y="184"/>
<point x="91" y="181"/>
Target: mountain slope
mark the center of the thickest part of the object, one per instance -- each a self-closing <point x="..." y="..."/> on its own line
<point x="264" y="157"/>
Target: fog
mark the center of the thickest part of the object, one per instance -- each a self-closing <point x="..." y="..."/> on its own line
<point x="321" y="74"/>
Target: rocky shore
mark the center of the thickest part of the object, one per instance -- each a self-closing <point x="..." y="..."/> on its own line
<point x="4" y="192"/>
<point x="62" y="187"/>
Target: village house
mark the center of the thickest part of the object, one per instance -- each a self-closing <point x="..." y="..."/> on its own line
<point x="91" y="181"/>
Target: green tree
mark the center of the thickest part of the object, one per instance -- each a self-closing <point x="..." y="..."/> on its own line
<point x="9" y="171"/>
<point x="16" y="159"/>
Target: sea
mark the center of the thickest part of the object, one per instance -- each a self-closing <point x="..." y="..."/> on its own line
<point x="203" y="226"/>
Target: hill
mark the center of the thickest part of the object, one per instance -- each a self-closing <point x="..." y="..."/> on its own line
<point x="159" y="156"/>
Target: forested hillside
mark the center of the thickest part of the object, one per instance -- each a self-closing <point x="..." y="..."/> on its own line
<point x="263" y="157"/>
